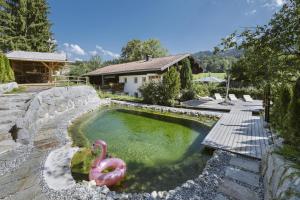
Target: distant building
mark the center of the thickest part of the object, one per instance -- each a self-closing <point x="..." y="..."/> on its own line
<point x="36" y="67"/>
<point x="129" y="77"/>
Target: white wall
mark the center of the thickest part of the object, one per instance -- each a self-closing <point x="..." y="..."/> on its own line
<point x="130" y="86"/>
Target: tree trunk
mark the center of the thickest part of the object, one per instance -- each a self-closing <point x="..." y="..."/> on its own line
<point x="267" y="102"/>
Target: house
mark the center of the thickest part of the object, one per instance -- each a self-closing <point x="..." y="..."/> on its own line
<point x="129" y="77"/>
<point x="35" y="67"/>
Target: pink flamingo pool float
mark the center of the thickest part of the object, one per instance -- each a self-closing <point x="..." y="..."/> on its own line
<point x="101" y="164"/>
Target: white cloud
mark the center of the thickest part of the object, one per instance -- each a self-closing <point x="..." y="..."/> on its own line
<point x="93" y="53"/>
<point x="252" y="12"/>
<point x="74" y="48"/>
<point x="279" y="2"/>
<point x="105" y="52"/>
<point x="274" y="4"/>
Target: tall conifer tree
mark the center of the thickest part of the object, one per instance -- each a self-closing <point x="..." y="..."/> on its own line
<point x="24" y="25"/>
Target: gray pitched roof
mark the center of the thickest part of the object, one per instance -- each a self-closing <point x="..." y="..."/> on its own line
<point x="155" y="64"/>
<point x="36" y="56"/>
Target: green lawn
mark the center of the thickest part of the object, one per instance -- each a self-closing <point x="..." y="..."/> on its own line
<point x="217" y="75"/>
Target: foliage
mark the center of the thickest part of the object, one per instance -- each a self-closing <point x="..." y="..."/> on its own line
<point x="151" y="92"/>
<point x="186" y="75"/>
<point x="271" y="52"/>
<point x="165" y="92"/>
<point x="119" y="97"/>
<point x="239" y="92"/>
<point x="271" y="59"/>
<point x="202" y="90"/>
<point x="188" y="95"/>
<point x="170" y="87"/>
<point x="6" y="72"/>
<point x="80" y="68"/>
<point x="292" y="153"/>
<point x="25" y="26"/>
<point x="293" y="129"/>
<point x="81" y="163"/>
<point x="280" y="108"/>
<point x="137" y="50"/>
<point x="216" y="63"/>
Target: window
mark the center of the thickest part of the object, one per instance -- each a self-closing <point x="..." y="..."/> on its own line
<point x="135" y="79"/>
<point x="144" y="79"/>
<point x="136" y="94"/>
<point x="125" y="80"/>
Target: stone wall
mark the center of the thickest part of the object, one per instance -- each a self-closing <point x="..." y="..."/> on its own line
<point x="281" y="179"/>
<point x="51" y="104"/>
<point x="7" y="87"/>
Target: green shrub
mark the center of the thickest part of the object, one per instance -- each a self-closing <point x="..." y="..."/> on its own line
<point x="188" y="95"/>
<point x="280" y="108"/>
<point x="170" y="88"/>
<point x="165" y="92"/>
<point x="202" y="90"/>
<point x="186" y="76"/>
<point x="151" y="92"/>
<point x="239" y="92"/>
<point x="6" y="72"/>
<point x="292" y="134"/>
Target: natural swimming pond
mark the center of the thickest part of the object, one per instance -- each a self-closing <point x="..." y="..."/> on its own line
<point x="161" y="152"/>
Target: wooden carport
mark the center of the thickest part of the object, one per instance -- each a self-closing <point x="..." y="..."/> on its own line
<point x="35" y="67"/>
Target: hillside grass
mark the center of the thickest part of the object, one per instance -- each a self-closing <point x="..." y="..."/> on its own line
<point x="217" y="75"/>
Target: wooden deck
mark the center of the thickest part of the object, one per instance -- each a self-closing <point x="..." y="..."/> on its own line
<point x="239" y="132"/>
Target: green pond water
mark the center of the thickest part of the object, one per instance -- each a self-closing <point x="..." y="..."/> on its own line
<point x="161" y="152"/>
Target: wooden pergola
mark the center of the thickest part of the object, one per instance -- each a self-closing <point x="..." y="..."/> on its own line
<point x="35" y="67"/>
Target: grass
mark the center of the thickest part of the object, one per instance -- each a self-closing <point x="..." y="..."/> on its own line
<point x="120" y="97"/>
<point x="291" y="153"/>
<point x="217" y="75"/>
<point x="19" y="89"/>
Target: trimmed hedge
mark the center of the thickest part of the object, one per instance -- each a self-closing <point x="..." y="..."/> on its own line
<point x="239" y="92"/>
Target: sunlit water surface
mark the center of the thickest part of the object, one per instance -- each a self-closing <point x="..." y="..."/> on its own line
<point x="161" y="152"/>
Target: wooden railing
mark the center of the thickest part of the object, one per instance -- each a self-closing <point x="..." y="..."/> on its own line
<point x="70" y="80"/>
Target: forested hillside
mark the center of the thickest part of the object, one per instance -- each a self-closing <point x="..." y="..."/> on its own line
<point x="217" y="63"/>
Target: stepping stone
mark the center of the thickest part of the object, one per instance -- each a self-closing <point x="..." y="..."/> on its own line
<point x="220" y="197"/>
<point x="242" y="176"/>
<point x="250" y="165"/>
<point x="237" y="191"/>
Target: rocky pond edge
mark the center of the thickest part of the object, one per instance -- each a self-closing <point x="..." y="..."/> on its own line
<point x="66" y="187"/>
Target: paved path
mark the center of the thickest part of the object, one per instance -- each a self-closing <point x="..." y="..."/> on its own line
<point x="242" y="180"/>
<point x="239" y="131"/>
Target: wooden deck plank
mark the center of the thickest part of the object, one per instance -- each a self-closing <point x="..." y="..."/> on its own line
<point x="240" y="132"/>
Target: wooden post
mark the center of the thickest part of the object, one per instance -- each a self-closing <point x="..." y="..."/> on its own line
<point x="87" y="80"/>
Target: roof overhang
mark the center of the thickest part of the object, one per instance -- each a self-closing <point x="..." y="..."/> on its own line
<point x="143" y="70"/>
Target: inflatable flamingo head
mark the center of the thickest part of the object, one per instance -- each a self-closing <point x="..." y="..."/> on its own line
<point x="99" y="143"/>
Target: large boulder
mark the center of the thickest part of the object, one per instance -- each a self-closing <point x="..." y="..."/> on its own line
<point x="7" y="87"/>
<point x="50" y="104"/>
<point x="281" y="178"/>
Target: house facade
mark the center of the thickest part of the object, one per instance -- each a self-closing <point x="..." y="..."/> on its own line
<point x="129" y="77"/>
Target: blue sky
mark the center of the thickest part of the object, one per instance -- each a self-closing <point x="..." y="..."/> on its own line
<point x="83" y="28"/>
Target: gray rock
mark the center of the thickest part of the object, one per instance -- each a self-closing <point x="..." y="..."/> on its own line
<point x="242" y="176"/>
<point x="237" y="191"/>
<point x="250" y="165"/>
<point x="7" y="87"/>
